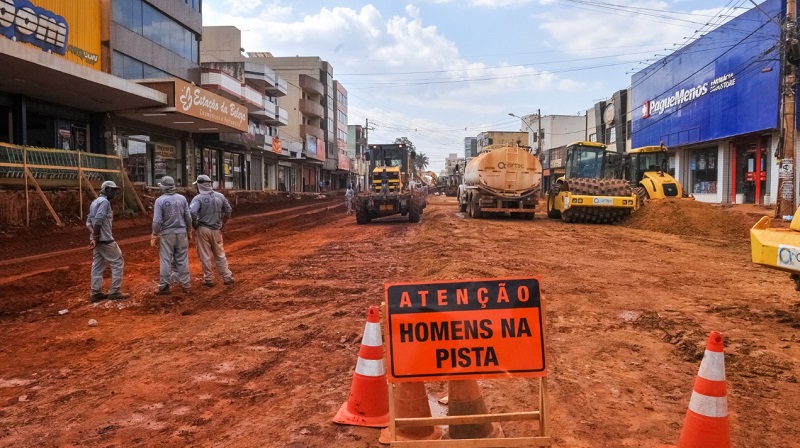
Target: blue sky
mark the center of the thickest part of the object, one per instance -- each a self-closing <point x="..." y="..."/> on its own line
<point x="437" y="71"/>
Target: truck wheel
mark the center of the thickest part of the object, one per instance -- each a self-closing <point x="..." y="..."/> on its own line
<point x="413" y="213"/>
<point x="362" y="217"/>
<point x="474" y="208"/>
<point x="462" y="206"/>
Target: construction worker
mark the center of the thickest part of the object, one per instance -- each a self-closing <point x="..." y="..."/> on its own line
<point x="210" y="211"/>
<point x="171" y="233"/>
<point x="348" y="199"/>
<point x="104" y="249"/>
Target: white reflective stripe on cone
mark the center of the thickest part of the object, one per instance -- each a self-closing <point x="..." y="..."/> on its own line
<point x="370" y="367"/>
<point x="712" y="367"/>
<point x="372" y="335"/>
<point x="708" y="406"/>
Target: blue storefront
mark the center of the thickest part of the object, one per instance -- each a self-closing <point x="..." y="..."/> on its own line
<point x="716" y="103"/>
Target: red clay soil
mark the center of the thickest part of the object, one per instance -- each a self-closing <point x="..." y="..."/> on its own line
<point x="269" y="361"/>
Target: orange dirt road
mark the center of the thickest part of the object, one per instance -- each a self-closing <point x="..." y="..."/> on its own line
<point x="269" y="360"/>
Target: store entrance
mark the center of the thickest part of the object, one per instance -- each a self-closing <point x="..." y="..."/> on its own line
<point x="750" y="172"/>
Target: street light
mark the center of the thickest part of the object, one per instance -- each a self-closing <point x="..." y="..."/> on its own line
<point x="537" y="134"/>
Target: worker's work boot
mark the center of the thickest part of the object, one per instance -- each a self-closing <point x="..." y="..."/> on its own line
<point x="98" y="296"/>
<point x="118" y="295"/>
<point x="163" y="290"/>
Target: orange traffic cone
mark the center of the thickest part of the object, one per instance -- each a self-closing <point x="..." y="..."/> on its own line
<point x="706" y="421"/>
<point x="411" y="400"/>
<point x="368" y="404"/>
<point x="464" y="398"/>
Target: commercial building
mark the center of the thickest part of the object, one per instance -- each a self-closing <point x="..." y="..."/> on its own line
<point x="356" y="146"/>
<point x="310" y="134"/>
<point x="470" y="147"/>
<point x="255" y="159"/>
<point x="489" y="138"/>
<point x="156" y="43"/>
<point x="716" y="104"/>
<point x="341" y="175"/>
<point x="56" y="90"/>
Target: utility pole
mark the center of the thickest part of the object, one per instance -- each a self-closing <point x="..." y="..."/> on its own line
<point x="786" y="173"/>
<point x="539" y="135"/>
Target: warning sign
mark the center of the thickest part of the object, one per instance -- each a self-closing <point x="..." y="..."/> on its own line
<point x="464" y="330"/>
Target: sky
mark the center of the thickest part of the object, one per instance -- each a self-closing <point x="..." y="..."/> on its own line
<point x="437" y="71"/>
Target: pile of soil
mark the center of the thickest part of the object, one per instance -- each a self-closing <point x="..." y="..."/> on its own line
<point x="687" y="218"/>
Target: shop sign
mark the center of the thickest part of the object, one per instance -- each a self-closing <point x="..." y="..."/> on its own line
<point x="690" y="95"/>
<point x="69" y="28"/>
<point x="469" y="329"/>
<point x="200" y="103"/>
<point x="164" y="151"/>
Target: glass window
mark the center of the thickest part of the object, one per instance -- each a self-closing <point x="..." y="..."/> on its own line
<point x="703" y="170"/>
<point x="128" y="13"/>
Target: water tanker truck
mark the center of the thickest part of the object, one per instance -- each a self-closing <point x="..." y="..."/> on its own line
<point x="502" y="179"/>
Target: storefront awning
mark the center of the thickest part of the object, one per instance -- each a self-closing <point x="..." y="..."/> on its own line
<point x="191" y="108"/>
<point x="33" y="73"/>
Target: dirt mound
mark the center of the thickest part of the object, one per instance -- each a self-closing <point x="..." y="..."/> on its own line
<point x="687" y="217"/>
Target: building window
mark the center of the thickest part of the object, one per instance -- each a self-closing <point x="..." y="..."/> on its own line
<point x="703" y="170"/>
<point x="611" y="135"/>
<point x="126" y="67"/>
<point x="592" y="137"/>
<point x="144" y="20"/>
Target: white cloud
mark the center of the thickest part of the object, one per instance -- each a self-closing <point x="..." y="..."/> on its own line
<point x="609" y="32"/>
<point x="429" y="91"/>
<point x="499" y="3"/>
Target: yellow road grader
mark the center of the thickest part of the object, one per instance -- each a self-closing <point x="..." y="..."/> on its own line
<point x="390" y="190"/>
<point x="592" y="189"/>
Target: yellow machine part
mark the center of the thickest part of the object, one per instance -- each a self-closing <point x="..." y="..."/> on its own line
<point x="393" y="175"/>
<point x="592" y="201"/>
<point x="776" y="248"/>
<point x="658" y="184"/>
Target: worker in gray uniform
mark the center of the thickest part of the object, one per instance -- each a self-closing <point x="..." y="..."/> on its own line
<point x="171" y="233"/>
<point x="104" y="249"/>
<point x="210" y="211"/>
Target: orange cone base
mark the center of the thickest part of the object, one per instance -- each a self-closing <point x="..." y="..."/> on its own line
<point x="704" y="432"/>
<point x="386" y="438"/>
<point x="345" y="417"/>
<point x="497" y="433"/>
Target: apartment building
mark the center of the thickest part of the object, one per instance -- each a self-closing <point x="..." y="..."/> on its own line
<point x="258" y="153"/>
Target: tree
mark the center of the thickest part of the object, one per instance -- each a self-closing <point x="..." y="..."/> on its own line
<point x="420" y="162"/>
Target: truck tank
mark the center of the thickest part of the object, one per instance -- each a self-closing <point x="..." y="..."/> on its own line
<point x="504" y="179"/>
<point x="504" y="169"/>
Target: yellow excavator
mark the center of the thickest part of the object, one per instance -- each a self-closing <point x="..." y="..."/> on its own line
<point x="646" y="169"/>
<point x="777" y="248"/>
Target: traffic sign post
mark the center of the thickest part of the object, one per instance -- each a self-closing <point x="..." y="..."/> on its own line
<point x="467" y="330"/>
